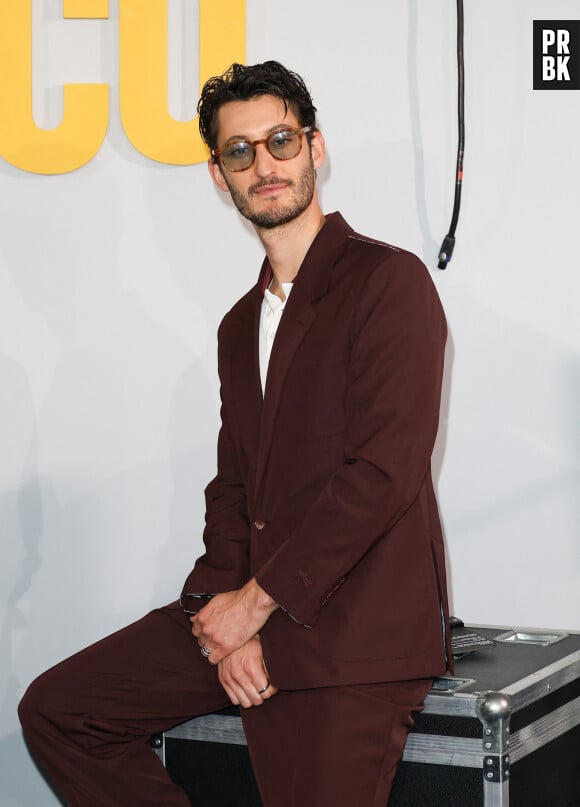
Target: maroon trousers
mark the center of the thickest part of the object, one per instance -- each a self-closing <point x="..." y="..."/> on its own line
<point x="88" y="721"/>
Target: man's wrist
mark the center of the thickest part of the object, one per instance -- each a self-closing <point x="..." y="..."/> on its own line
<point x="264" y="602"/>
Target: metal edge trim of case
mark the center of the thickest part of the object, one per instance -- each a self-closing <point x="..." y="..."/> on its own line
<point x="523" y="692"/>
<point x="157" y="743"/>
<point x="534" y="686"/>
<point x="496" y="794"/>
<point x="542" y="731"/>
<point x="211" y="729"/>
<point x="424" y="748"/>
<point x="460" y="704"/>
<point x="436" y="749"/>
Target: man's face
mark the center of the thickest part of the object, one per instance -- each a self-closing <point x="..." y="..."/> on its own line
<point x="270" y="192"/>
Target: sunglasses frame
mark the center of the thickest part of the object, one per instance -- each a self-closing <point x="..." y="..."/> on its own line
<point x="188" y="602"/>
<point x="263" y="141"/>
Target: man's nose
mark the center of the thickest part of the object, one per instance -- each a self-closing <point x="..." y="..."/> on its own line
<point x="264" y="163"/>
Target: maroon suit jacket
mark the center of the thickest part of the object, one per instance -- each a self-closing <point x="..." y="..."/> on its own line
<point x="323" y="490"/>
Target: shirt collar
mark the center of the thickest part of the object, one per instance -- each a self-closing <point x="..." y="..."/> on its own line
<point x="274" y="302"/>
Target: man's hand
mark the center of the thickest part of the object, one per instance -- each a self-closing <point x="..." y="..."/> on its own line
<point x="229" y="620"/>
<point x="243" y="675"/>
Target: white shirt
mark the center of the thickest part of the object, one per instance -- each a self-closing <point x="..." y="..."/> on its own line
<point x="270" y="316"/>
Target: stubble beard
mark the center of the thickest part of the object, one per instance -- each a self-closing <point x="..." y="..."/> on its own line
<point x="278" y="216"/>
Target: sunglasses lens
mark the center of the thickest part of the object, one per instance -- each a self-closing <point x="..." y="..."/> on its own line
<point x="238" y="156"/>
<point x="284" y="145"/>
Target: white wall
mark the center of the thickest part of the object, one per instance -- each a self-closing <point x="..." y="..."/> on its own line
<point x="113" y="280"/>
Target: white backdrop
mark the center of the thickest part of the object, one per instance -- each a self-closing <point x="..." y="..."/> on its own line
<point x="113" y="280"/>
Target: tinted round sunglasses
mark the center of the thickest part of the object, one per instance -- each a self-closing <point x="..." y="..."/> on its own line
<point x="240" y="154"/>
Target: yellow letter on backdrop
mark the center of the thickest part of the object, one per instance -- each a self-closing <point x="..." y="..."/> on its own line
<point x="86" y="106"/>
<point x="144" y="69"/>
<point x="85" y="9"/>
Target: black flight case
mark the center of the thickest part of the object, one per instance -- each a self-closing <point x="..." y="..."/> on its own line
<point x="503" y="732"/>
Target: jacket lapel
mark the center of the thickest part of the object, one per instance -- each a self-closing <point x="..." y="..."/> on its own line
<point x="293" y="327"/>
<point x="246" y="349"/>
<point x="243" y="378"/>
<point x="310" y="284"/>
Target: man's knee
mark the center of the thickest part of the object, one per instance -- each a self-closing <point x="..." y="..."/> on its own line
<point x="37" y="706"/>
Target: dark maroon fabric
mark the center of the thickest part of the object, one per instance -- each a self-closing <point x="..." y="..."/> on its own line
<point x="88" y="722"/>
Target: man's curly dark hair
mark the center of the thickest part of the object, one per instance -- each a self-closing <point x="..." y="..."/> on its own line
<point x="243" y="82"/>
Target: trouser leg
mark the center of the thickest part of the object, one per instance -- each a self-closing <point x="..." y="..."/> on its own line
<point x="88" y="720"/>
<point x="333" y="746"/>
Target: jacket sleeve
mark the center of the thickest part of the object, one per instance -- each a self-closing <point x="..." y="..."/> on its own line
<point x="224" y="566"/>
<point x="397" y="343"/>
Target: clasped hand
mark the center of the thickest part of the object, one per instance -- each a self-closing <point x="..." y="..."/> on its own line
<point x="244" y="677"/>
<point x="226" y="628"/>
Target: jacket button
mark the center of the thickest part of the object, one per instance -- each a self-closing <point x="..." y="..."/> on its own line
<point x="259" y="525"/>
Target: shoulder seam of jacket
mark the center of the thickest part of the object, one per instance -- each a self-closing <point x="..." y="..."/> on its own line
<point x="373" y="242"/>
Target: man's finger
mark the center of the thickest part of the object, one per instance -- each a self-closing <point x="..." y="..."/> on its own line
<point x="217" y="655"/>
<point x="245" y="688"/>
<point x="231" y="694"/>
<point x="244" y="698"/>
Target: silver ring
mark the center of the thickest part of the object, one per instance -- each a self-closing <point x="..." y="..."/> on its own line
<point x="266" y="688"/>
<point x="205" y="652"/>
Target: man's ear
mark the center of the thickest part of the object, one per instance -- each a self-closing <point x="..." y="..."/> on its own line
<point x="215" y="171"/>
<point x="317" y="148"/>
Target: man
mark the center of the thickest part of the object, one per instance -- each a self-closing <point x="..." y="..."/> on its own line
<point x="320" y="602"/>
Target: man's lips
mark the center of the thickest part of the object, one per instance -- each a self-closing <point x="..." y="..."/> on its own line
<point x="269" y="188"/>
